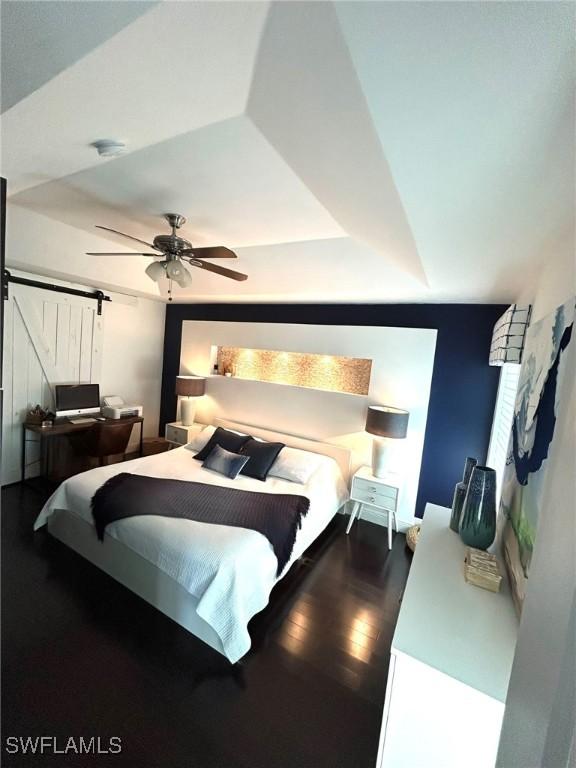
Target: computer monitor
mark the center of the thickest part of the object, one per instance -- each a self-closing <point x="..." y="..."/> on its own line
<point x="75" y="399"/>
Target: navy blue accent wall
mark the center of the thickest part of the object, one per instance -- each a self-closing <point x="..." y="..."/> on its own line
<point x="464" y="386"/>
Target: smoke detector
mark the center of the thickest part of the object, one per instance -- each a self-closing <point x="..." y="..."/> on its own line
<point x="110" y="147"/>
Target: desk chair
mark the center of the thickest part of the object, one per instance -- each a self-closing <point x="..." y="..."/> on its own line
<point x="102" y="440"/>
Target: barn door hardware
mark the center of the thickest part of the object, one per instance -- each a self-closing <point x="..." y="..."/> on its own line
<point x="7" y="277"/>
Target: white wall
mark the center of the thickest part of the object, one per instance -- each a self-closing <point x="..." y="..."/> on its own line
<point x="403" y="359"/>
<point x="556" y="280"/>
<point x="132" y="356"/>
<point x="41" y="245"/>
<point x="538" y="727"/>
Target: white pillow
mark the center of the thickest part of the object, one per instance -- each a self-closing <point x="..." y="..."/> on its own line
<point x="295" y="465"/>
<point x="200" y="439"/>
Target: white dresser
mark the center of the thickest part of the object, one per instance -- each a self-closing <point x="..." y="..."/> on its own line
<point x="450" y="662"/>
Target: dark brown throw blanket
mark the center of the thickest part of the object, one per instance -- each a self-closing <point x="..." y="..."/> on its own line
<point x="278" y="516"/>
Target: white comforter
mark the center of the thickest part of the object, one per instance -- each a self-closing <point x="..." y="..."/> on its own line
<point x="231" y="571"/>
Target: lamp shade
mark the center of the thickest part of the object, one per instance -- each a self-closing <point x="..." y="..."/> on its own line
<point x="190" y="386"/>
<point x="385" y="421"/>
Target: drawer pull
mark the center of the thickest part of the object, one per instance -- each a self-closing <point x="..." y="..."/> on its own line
<point x="372" y="499"/>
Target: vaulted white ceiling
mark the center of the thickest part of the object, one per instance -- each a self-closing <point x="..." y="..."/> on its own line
<point x="377" y="151"/>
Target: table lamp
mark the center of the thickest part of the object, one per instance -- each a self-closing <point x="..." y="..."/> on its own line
<point x="387" y="424"/>
<point x="189" y="387"/>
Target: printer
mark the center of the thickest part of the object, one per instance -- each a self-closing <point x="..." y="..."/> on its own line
<point x="113" y="407"/>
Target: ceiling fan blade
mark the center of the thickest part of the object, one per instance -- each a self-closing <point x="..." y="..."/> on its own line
<point x="122" y="234"/>
<point x="154" y="255"/>
<point x="216" y="252"/>
<point x="218" y="270"/>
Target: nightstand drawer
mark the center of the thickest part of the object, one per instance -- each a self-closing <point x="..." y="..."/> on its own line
<point x="175" y="434"/>
<point x="361" y="485"/>
<point x="179" y="434"/>
<point x="377" y="499"/>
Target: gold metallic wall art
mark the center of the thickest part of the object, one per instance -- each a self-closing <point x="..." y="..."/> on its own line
<point x="300" y="369"/>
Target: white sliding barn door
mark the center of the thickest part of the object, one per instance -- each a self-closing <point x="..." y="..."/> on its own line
<point x="49" y="338"/>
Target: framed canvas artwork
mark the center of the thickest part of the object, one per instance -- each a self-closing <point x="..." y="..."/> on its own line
<point x="548" y="341"/>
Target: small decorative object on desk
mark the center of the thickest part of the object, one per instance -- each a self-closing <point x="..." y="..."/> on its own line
<point x="460" y="494"/>
<point x="36" y="415"/>
<point x="481" y="569"/>
<point x="478" y="520"/>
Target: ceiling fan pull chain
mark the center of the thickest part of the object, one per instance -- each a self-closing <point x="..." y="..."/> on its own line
<point x="169" y="289"/>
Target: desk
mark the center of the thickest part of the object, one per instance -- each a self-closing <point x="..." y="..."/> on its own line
<point x="67" y="428"/>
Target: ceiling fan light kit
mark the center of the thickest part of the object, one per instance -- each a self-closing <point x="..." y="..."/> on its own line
<point x="155" y="271"/>
<point x="175" y="250"/>
<point x="174" y="269"/>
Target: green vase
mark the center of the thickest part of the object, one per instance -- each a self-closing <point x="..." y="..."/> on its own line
<point x="457" y="504"/>
<point x="468" y="467"/>
<point x="460" y="494"/>
<point x="478" y="519"/>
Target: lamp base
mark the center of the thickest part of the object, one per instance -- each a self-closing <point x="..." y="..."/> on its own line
<point x="382" y="455"/>
<point x="187" y="411"/>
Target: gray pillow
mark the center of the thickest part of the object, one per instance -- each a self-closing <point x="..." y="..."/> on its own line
<point x="225" y="462"/>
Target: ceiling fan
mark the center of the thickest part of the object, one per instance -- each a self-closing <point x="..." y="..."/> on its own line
<point x="174" y="251"/>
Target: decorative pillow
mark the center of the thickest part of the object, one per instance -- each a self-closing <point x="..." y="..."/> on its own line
<point x="225" y="462"/>
<point x="262" y="456"/>
<point x="200" y="439"/>
<point x="230" y="441"/>
<point x="295" y="465"/>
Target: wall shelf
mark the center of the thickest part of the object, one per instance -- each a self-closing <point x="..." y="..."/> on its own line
<point x="307" y="370"/>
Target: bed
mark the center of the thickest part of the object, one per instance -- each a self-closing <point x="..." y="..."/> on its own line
<point x="210" y="579"/>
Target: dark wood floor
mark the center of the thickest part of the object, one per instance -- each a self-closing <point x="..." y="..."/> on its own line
<point x="83" y="656"/>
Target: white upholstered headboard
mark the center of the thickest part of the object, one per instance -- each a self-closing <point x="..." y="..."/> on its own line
<point x="341" y="455"/>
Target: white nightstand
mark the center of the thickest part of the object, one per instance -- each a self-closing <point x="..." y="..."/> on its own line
<point x="381" y="493"/>
<point x="177" y="434"/>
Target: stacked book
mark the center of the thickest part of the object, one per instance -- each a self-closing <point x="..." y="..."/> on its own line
<point x="481" y="569"/>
